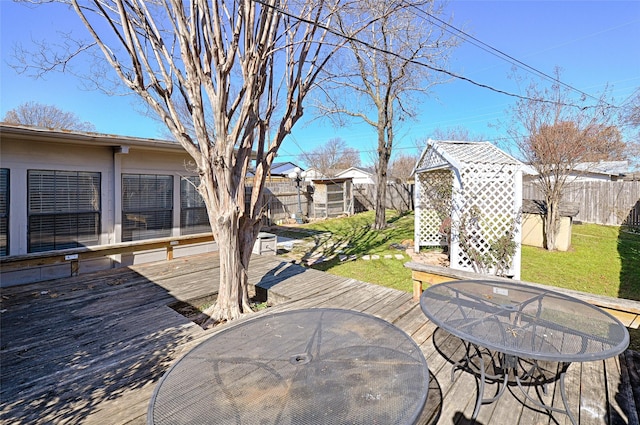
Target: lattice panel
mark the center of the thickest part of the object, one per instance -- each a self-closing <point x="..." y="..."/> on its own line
<point x="435" y="190"/>
<point x="488" y="194"/>
<point x="430" y="159"/>
<point x="481" y="183"/>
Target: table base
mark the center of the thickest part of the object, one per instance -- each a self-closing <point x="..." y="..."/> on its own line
<point x="508" y="364"/>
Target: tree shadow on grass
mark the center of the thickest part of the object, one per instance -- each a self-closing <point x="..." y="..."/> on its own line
<point x="329" y="247"/>
<point x="629" y="252"/>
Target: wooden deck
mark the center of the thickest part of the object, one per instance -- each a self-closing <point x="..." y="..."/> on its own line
<point x="90" y="349"/>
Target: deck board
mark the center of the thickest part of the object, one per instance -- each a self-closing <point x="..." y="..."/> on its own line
<point x="91" y="348"/>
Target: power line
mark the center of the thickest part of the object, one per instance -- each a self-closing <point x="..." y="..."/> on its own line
<point x="500" y="54"/>
<point x="416" y="62"/>
<point x="630" y="97"/>
<point x="373" y="150"/>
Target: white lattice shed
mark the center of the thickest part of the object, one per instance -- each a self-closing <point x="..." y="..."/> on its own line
<point x="468" y="196"/>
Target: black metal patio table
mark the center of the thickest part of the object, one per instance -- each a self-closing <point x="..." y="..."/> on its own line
<point x="310" y="366"/>
<point x="517" y="322"/>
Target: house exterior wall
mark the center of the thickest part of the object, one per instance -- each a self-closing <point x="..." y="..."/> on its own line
<point x="55" y="153"/>
<point x="19" y="157"/>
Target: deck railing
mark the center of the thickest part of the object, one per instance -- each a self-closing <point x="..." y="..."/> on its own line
<point x="627" y="311"/>
<point x="75" y="255"/>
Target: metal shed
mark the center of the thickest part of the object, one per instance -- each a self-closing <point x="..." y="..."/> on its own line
<point x="468" y="198"/>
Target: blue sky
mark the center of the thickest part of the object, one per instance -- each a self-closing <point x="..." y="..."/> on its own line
<point x="596" y="43"/>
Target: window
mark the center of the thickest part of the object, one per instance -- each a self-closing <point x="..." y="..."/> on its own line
<point x="147" y="206"/>
<point x="4" y="212"/>
<point x="63" y="209"/>
<point x="193" y="212"/>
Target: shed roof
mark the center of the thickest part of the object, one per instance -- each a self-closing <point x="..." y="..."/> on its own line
<point x="331" y="180"/>
<point x="537" y="206"/>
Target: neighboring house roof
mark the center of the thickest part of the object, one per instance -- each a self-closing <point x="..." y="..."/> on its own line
<point x="603" y="168"/>
<point x="283" y="168"/>
<point x="313" y="173"/>
<point x="356" y="170"/>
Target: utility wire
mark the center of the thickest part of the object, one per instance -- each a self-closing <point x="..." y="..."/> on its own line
<point x="499" y="53"/>
<point x="416" y="62"/>
<point x="630" y="97"/>
<point x="373" y="150"/>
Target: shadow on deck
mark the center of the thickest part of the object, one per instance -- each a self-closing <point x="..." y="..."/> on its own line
<point x="90" y="349"/>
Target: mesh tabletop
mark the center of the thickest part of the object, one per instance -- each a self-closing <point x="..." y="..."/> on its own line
<point x="312" y="366"/>
<point x="524" y="321"/>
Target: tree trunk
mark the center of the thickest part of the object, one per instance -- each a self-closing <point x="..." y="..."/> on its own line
<point x="551" y="225"/>
<point x="233" y="294"/>
<point x="233" y="299"/>
<point x="385" y="140"/>
<point x="381" y="214"/>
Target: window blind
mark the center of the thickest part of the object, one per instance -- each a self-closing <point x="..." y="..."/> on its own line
<point x="63" y="209"/>
<point x="147" y="206"/>
<point x="193" y="212"/>
<point x="4" y="212"/>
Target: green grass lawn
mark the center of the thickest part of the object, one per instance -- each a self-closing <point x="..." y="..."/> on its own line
<point x="603" y="259"/>
<point x="354" y="236"/>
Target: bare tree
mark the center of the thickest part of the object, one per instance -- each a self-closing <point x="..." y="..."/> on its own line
<point x="631" y="111"/>
<point x="333" y="156"/>
<point x="630" y="118"/>
<point x="36" y="114"/>
<point x="458" y="133"/>
<point x="242" y="68"/>
<point x="402" y="166"/>
<point x="558" y="136"/>
<point x="379" y="80"/>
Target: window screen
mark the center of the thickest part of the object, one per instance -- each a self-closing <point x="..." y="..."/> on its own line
<point x="147" y="206"/>
<point x="4" y="211"/>
<point x="63" y="209"/>
<point x="193" y="212"/>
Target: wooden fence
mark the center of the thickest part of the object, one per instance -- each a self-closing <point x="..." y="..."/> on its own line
<point x="601" y="202"/>
<point x="281" y="198"/>
<point x="399" y="197"/>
